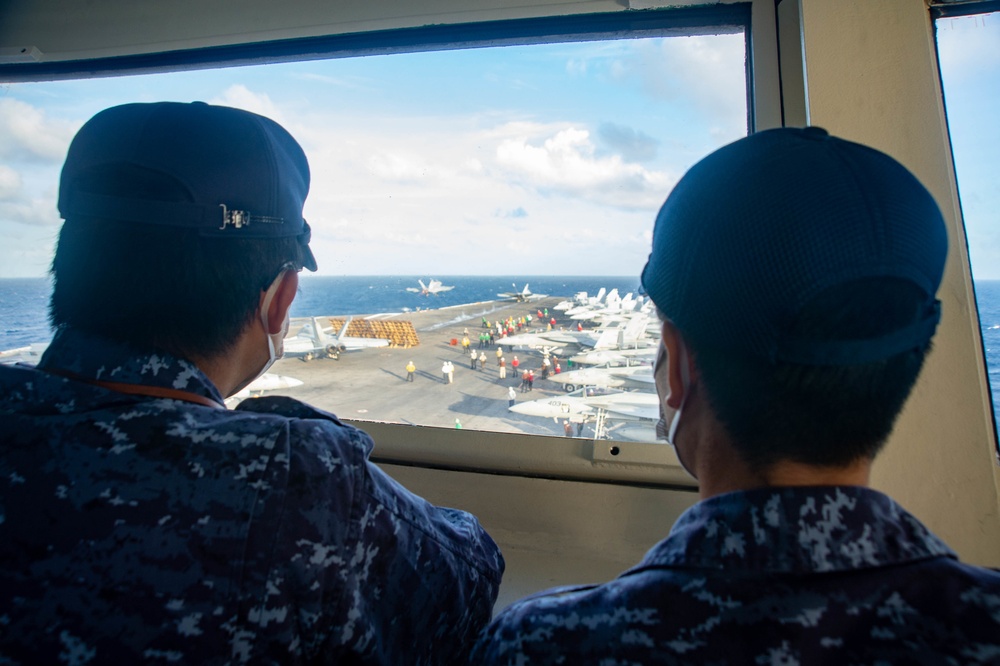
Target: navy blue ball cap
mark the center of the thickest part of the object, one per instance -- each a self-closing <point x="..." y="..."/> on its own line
<point x="243" y="174"/>
<point x="760" y="227"/>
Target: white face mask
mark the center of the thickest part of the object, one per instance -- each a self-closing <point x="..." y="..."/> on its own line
<point x="276" y="341"/>
<point x="663" y="389"/>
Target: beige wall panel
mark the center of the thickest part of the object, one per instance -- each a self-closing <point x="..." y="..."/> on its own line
<point x="871" y="76"/>
<point x="555" y="532"/>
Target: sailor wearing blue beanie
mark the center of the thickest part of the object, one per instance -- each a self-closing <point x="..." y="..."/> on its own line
<point x="802" y="213"/>
<point x="149" y="522"/>
<point x="795" y="274"/>
<point x="761" y="226"/>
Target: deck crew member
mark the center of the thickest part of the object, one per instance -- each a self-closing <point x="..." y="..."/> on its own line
<point x="140" y="520"/>
<point x="828" y="254"/>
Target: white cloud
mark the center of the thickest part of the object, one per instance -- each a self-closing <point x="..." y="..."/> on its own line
<point x="699" y="71"/>
<point x="29" y="204"/>
<point x="633" y="145"/>
<point x="28" y="134"/>
<point x="515" y="213"/>
<point x="566" y="163"/>
<point x="450" y="194"/>
<point x="26" y="251"/>
<point x="10" y="183"/>
<point x="501" y="190"/>
<point x="31" y="212"/>
<point x="402" y="168"/>
<point x="241" y="97"/>
<point x="576" y="67"/>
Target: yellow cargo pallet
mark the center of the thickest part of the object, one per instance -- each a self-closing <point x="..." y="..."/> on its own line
<point x="398" y="333"/>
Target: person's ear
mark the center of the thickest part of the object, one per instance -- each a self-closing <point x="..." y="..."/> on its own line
<point x="287" y="286"/>
<point x="680" y="368"/>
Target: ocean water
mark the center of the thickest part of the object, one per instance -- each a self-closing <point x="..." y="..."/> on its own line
<point x="322" y="295"/>
<point x="988" y="298"/>
<point x="24" y="306"/>
<point x="23" y="302"/>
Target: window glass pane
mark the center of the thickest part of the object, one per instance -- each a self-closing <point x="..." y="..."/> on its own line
<point x="492" y="170"/>
<point x="969" y="52"/>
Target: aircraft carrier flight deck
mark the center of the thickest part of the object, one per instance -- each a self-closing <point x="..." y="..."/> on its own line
<point x="371" y="384"/>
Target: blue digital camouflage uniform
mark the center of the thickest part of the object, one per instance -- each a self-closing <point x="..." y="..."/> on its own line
<point x="144" y="529"/>
<point x="831" y="575"/>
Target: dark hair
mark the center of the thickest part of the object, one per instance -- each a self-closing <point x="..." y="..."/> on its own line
<point x="815" y="414"/>
<point x="158" y="287"/>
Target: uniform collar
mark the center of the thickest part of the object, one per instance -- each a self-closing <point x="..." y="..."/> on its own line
<point x="796" y="530"/>
<point x="95" y="358"/>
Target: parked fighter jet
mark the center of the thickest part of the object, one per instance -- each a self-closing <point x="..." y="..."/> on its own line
<point x="580" y="301"/>
<point x="556" y="340"/>
<point x="630" y="415"/>
<point x="610" y="357"/>
<point x="30" y="354"/>
<point x="613" y="337"/>
<point x="572" y="407"/>
<point x="583" y="404"/>
<point x="522" y="296"/>
<point x="636" y="376"/>
<point x="266" y="382"/>
<point x="313" y="341"/>
<point x="434" y="287"/>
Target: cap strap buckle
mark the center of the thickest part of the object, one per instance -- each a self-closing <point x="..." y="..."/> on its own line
<point x="241" y="218"/>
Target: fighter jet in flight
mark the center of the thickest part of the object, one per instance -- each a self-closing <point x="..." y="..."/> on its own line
<point x="434" y="287"/>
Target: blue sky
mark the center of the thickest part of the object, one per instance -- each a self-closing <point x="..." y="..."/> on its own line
<point x="548" y="159"/>
<point x="969" y="52"/>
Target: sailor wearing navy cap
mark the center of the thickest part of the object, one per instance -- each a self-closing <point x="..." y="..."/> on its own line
<point x="142" y="520"/>
<point x="795" y="275"/>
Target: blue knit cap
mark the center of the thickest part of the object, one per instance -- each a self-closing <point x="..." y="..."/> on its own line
<point x="244" y="175"/>
<point x="760" y="227"/>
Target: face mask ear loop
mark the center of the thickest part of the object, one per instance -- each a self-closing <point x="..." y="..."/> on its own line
<point x="272" y="354"/>
<point x="686" y="381"/>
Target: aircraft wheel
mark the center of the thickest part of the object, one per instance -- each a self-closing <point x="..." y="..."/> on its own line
<point x="333" y="352"/>
<point x="569" y="387"/>
<point x="308" y="356"/>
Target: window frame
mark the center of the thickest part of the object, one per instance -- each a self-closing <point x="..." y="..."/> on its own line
<point x="947" y="10"/>
<point x="631" y="463"/>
